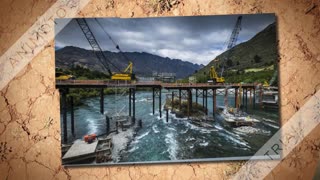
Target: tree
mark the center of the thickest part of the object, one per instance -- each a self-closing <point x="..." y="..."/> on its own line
<point x="257" y="59"/>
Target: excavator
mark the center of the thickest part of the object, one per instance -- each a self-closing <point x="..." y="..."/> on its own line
<point x="232" y="41"/>
<point x="127" y="74"/>
<point x="214" y="76"/>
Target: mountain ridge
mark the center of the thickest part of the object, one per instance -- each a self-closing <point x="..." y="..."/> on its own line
<point x="143" y="63"/>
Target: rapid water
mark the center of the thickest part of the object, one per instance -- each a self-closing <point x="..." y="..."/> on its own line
<point x="178" y="139"/>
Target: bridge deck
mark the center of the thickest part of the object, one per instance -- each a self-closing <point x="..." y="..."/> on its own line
<point x="155" y="84"/>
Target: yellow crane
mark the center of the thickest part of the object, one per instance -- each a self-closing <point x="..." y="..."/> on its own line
<point x="125" y="75"/>
<point x="214" y="76"/>
<point x="63" y="76"/>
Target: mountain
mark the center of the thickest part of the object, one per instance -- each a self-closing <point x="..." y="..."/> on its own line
<point x="143" y="63"/>
<point x="257" y="53"/>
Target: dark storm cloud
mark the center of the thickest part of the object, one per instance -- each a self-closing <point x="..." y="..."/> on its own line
<point x="197" y="39"/>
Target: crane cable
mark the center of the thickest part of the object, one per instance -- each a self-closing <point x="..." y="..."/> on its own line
<point x="116" y="45"/>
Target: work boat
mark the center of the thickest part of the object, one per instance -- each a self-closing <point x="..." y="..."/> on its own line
<point x="235" y="117"/>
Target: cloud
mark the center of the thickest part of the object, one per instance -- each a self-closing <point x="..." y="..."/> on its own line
<point x="197" y="39"/>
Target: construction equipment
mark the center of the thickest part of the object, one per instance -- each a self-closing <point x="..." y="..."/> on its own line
<point x="125" y="75"/>
<point x="232" y="41"/>
<point x="214" y="76"/>
<point x="105" y="62"/>
<point x="63" y="76"/>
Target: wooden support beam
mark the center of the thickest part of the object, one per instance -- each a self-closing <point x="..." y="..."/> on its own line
<point x="246" y="99"/>
<point x="250" y="97"/>
<point x="236" y="98"/>
<point x="134" y="105"/>
<point x="172" y="101"/>
<point x="206" y="96"/>
<point x="226" y="97"/>
<point x="167" y="114"/>
<point x="64" y="115"/>
<point x="196" y="96"/>
<point x="261" y="97"/>
<point x="160" y="102"/>
<point x="203" y="105"/>
<point x="214" y="100"/>
<point x="72" y="116"/>
<point x="180" y="99"/>
<point x="153" y="100"/>
<point x="101" y="101"/>
<point x="130" y="100"/>
<point x="254" y="98"/>
<point x="107" y="124"/>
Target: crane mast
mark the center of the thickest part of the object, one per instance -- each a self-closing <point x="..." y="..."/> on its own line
<point x="232" y="41"/>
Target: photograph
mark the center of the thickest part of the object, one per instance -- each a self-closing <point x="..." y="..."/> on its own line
<point x="166" y="89"/>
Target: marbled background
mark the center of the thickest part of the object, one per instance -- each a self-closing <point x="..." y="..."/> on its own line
<point x="29" y="104"/>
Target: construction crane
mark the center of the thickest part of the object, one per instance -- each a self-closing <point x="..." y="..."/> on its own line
<point x="127" y="74"/>
<point x="232" y="41"/>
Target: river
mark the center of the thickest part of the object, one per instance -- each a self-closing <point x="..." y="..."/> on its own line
<point x="178" y="139"/>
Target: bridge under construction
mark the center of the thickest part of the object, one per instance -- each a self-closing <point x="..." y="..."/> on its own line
<point x="178" y="90"/>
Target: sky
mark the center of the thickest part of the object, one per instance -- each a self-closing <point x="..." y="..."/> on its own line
<point x="197" y="39"/>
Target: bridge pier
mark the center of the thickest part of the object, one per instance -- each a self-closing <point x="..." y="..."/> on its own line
<point x="196" y="96"/>
<point x="179" y="99"/>
<point x="101" y="101"/>
<point x="134" y="105"/>
<point x="153" y="100"/>
<point x="236" y="97"/>
<point x="172" y="101"/>
<point x="206" y="97"/>
<point x="254" y="98"/>
<point x="203" y="105"/>
<point x="243" y="94"/>
<point x="250" y="97"/>
<point x="107" y="124"/>
<point x="226" y="97"/>
<point x="189" y="102"/>
<point x="72" y="116"/>
<point x="130" y="101"/>
<point x="214" y="101"/>
<point x="246" y="99"/>
<point x="64" y="114"/>
<point x="167" y="115"/>
<point x="160" y="102"/>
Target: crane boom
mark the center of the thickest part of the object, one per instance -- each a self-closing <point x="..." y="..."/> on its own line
<point x="94" y="44"/>
<point x="232" y="41"/>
